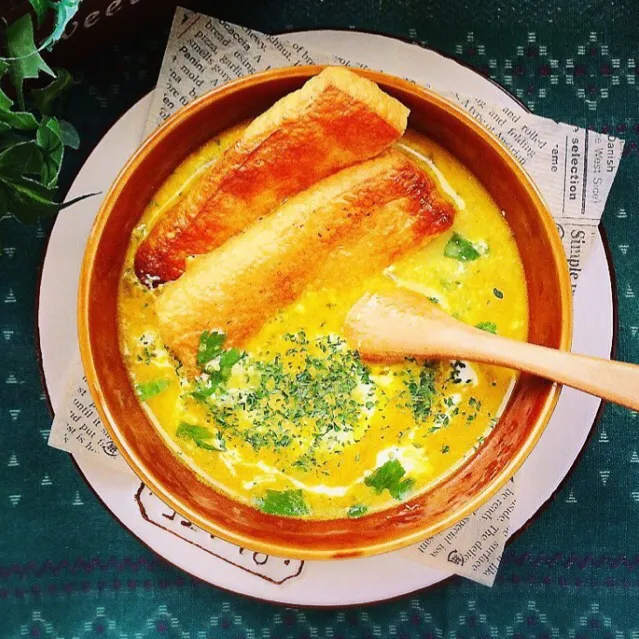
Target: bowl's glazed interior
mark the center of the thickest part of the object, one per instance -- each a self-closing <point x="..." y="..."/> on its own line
<point x="448" y="501"/>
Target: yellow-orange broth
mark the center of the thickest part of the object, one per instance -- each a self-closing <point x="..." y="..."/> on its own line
<point x="302" y="427"/>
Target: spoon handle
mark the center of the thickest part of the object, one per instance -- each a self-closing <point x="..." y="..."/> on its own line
<point x="614" y="381"/>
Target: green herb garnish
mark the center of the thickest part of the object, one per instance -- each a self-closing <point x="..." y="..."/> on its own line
<point x="475" y="404"/>
<point x="322" y="390"/>
<point x="228" y="359"/>
<point x="210" y="347"/>
<point x="389" y="477"/>
<point x="146" y="390"/>
<point x="455" y="368"/>
<point x="422" y="392"/>
<point x="358" y="510"/>
<point x="201" y="436"/>
<point x="445" y="449"/>
<point x="459" y="248"/>
<point x="216" y="362"/>
<point x="480" y="441"/>
<point x="489" y="327"/>
<point x="498" y="294"/>
<point x="305" y="463"/>
<point x="204" y="388"/>
<point x="287" y="503"/>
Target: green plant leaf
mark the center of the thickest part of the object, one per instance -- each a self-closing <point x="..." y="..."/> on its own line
<point x="5" y="101"/>
<point x="64" y="12"/>
<point x="26" y="199"/>
<point x="75" y="200"/>
<point x="389" y="477"/>
<point x="21" y="158"/>
<point x="70" y="136"/>
<point x="287" y="503"/>
<point x="24" y="59"/>
<point x="47" y="97"/>
<point x="9" y="118"/>
<point x="21" y="120"/>
<point x="32" y="150"/>
<point x="459" y="248"/>
<point x="10" y="137"/>
<point x="49" y="140"/>
<point x="40" y="7"/>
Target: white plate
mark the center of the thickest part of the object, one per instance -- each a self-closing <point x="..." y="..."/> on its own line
<point x="336" y="583"/>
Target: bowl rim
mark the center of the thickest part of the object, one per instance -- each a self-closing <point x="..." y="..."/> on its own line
<point x="93" y="377"/>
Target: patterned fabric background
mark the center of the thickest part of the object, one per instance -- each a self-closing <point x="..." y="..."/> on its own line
<point x="67" y="569"/>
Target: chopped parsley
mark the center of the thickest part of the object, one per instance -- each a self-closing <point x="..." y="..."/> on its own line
<point x="475" y="405"/>
<point x="287" y="503"/>
<point x="146" y="346"/>
<point x="422" y="392"/>
<point x="480" y="441"/>
<point x="456" y="367"/>
<point x="305" y="463"/>
<point x="389" y="477"/>
<point x="321" y="386"/>
<point x="498" y="294"/>
<point x="445" y="449"/>
<point x="459" y="248"/>
<point x="357" y="510"/>
<point x="146" y="390"/>
<point x="147" y="355"/>
<point x="202" y="436"/>
<point x="447" y="285"/>
<point x="315" y="397"/>
<point x="489" y="327"/>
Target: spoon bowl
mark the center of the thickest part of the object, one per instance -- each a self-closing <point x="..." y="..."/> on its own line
<point x="403" y="324"/>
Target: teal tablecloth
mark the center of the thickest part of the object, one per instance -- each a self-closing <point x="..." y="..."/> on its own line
<point x="67" y="569"/>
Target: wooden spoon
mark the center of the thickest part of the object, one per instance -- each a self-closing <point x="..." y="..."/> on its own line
<point x="401" y="323"/>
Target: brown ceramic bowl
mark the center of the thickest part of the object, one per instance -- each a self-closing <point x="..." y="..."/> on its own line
<point x="456" y="496"/>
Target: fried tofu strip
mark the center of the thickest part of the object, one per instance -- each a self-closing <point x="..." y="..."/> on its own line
<point x="362" y="217"/>
<point x="336" y="119"/>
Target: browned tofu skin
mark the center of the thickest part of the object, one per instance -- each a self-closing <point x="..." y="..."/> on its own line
<point x="361" y="219"/>
<point x="337" y="119"/>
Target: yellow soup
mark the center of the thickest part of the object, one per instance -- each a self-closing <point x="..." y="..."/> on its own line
<point x="300" y="425"/>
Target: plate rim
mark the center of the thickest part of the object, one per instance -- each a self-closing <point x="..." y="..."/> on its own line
<point x="446" y="580"/>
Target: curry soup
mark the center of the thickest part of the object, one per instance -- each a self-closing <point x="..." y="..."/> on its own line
<point x="294" y="423"/>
